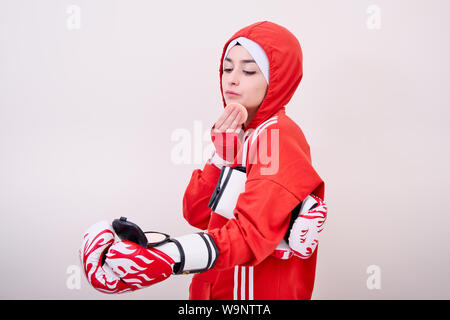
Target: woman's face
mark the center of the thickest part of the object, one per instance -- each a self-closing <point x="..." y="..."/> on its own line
<point x="242" y="76"/>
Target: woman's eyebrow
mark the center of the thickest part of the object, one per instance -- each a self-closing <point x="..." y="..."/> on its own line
<point x="244" y="60"/>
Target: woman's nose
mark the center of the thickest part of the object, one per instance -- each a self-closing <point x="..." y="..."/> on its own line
<point x="233" y="78"/>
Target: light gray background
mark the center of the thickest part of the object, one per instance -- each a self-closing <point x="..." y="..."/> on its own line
<point x="87" y="116"/>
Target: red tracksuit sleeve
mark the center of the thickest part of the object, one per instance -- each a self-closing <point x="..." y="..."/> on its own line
<point x="262" y="215"/>
<point x="197" y="195"/>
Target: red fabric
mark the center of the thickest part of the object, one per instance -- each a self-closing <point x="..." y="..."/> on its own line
<point x="227" y="144"/>
<point x="272" y="191"/>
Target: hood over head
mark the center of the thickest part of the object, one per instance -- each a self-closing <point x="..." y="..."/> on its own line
<point x="285" y="65"/>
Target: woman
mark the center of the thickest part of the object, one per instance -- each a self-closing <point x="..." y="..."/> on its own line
<point x="241" y="255"/>
<point x="260" y="68"/>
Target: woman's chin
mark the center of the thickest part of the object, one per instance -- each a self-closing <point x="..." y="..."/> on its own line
<point x="229" y="100"/>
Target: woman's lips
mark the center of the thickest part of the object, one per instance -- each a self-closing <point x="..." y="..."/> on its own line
<point x="231" y="94"/>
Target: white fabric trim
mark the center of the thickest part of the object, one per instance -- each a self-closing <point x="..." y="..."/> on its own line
<point x="250" y="283"/>
<point x="244" y="282"/>
<point x="262" y="128"/>
<point x="254" y="135"/>
<point x="236" y="282"/>
<point x="243" y="285"/>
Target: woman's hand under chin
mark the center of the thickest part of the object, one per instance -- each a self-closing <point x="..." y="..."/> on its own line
<point x="227" y="134"/>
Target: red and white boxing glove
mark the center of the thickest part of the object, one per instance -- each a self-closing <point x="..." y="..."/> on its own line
<point x="304" y="236"/>
<point x="116" y="267"/>
<point x="304" y="232"/>
<point x="96" y="242"/>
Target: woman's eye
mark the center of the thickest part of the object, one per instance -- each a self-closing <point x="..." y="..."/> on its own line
<point x="246" y="72"/>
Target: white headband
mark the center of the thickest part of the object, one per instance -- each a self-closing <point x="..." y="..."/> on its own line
<point x="255" y="51"/>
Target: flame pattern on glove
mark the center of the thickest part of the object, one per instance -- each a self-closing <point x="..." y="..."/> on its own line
<point x="137" y="266"/>
<point x="303" y="239"/>
<point x="121" y="266"/>
<point x="96" y="241"/>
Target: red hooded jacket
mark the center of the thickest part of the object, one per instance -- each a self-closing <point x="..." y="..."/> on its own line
<point x="245" y="268"/>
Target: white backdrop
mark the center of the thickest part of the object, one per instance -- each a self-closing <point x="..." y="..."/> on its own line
<point x="92" y="94"/>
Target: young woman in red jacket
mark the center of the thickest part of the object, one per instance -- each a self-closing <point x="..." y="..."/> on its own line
<point x="258" y="201"/>
<point x="261" y="67"/>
